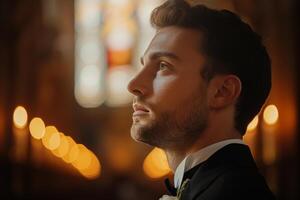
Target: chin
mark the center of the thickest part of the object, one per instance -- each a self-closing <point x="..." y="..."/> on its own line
<point x="135" y="134"/>
<point x="139" y="135"/>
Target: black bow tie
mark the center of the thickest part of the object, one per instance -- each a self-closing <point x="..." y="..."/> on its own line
<point x="172" y="190"/>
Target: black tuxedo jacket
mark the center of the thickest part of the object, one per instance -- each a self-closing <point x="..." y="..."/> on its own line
<point x="230" y="173"/>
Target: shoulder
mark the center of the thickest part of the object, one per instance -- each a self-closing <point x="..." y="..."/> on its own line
<point x="238" y="184"/>
<point x="231" y="173"/>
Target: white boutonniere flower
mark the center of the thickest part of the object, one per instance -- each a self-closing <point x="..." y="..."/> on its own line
<point x="167" y="197"/>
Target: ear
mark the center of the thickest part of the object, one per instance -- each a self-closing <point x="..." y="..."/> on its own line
<point x="223" y="90"/>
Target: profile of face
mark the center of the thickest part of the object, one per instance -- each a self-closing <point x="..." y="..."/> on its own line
<point x="170" y="95"/>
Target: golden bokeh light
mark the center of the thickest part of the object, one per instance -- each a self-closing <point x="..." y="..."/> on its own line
<point x="83" y="158"/>
<point x="37" y="128"/>
<point x="51" y="139"/>
<point x="74" y="152"/>
<point x="253" y="124"/>
<point x="54" y="141"/>
<point x="63" y="147"/>
<point x="93" y="170"/>
<point x="271" y="114"/>
<point x="68" y="157"/>
<point x="155" y="164"/>
<point x="20" y="117"/>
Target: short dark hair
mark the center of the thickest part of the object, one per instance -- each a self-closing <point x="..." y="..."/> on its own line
<point x="230" y="46"/>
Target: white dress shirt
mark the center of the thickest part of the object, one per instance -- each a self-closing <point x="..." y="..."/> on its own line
<point x="198" y="157"/>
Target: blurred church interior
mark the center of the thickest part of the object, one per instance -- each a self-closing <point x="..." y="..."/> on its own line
<point x="65" y="113"/>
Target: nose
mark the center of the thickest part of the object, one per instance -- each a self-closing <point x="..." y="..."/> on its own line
<point x="138" y="84"/>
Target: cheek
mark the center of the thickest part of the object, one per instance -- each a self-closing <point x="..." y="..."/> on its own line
<point x="171" y="92"/>
<point x="165" y="88"/>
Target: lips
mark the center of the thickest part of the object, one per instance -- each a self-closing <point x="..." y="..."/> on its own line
<point x="139" y="110"/>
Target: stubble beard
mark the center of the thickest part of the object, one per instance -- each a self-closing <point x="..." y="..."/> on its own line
<point x="176" y="129"/>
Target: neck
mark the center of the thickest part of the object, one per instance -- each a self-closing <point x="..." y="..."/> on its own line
<point x="175" y="156"/>
<point x="219" y="127"/>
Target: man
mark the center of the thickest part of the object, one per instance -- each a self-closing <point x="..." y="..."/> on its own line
<point x="205" y="76"/>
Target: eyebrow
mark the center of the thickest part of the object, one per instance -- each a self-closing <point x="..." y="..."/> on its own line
<point x="160" y="54"/>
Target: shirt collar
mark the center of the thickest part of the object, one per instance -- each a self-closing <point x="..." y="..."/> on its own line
<point x="198" y="157"/>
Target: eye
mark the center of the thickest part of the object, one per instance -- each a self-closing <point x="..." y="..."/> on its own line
<point x="163" y="66"/>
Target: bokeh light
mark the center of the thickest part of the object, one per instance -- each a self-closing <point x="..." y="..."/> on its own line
<point x="20" y="117"/>
<point x="156" y="164"/>
<point x="93" y="170"/>
<point x="69" y="156"/>
<point x="37" y="128"/>
<point x="271" y="114"/>
<point x="83" y="159"/>
<point x="63" y="147"/>
<point x="54" y="141"/>
<point x="74" y="152"/>
<point x="51" y="139"/>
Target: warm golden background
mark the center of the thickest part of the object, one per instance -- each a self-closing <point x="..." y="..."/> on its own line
<point x="65" y="114"/>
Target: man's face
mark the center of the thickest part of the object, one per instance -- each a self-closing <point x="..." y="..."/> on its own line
<point x="170" y="105"/>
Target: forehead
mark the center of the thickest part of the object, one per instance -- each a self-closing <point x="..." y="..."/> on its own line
<point x="183" y="42"/>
